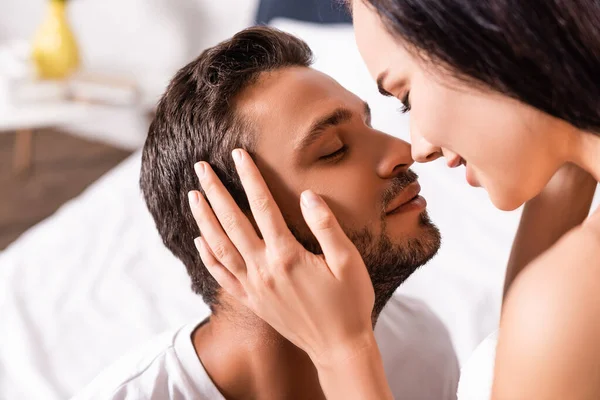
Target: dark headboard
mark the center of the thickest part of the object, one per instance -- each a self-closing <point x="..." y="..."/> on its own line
<point x="320" y="11"/>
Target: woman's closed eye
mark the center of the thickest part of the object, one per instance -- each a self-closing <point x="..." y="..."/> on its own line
<point x="336" y="155"/>
<point x="405" y="103"/>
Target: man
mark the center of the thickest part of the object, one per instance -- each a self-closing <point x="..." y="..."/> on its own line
<point x="257" y="91"/>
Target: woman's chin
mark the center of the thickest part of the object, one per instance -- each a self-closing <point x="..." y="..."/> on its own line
<point x="506" y="203"/>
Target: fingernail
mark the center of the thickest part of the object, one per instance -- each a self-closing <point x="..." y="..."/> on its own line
<point x="193" y="197"/>
<point x="310" y="199"/>
<point x="198" y="243"/>
<point x="237" y="155"/>
<point x="200" y="169"/>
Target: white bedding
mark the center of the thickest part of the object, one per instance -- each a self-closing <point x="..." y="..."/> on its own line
<point x="93" y="280"/>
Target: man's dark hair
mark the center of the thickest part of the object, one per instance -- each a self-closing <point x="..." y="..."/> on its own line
<point x="542" y="53"/>
<point x="196" y="120"/>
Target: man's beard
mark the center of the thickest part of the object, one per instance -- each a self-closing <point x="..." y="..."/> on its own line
<point x="389" y="263"/>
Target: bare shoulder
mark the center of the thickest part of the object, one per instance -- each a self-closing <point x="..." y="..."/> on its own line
<point x="579" y="249"/>
<point x="548" y="346"/>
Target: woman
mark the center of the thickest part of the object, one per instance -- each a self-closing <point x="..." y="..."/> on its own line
<point x="510" y="89"/>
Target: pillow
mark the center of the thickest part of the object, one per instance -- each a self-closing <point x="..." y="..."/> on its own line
<point x="320" y="11"/>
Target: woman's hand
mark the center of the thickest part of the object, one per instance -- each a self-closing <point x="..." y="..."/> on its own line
<point x="321" y="303"/>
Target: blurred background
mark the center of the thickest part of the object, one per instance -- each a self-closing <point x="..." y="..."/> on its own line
<point x="63" y="126"/>
<point x="84" y="276"/>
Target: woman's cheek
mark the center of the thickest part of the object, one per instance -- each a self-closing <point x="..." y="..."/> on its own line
<point x="441" y="115"/>
<point x="433" y="124"/>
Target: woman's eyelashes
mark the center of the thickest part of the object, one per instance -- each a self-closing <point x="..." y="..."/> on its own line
<point x="405" y="103"/>
<point x="336" y="155"/>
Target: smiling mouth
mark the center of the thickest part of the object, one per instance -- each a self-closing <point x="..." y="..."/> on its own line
<point x="457" y="162"/>
<point x="406" y="196"/>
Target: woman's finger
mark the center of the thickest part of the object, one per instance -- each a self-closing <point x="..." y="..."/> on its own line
<point x="232" y="219"/>
<point x="333" y="240"/>
<point x="221" y="274"/>
<point x="222" y="248"/>
<point x="265" y="211"/>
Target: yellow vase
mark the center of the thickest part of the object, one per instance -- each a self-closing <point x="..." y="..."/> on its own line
<point x="55" y="53"/>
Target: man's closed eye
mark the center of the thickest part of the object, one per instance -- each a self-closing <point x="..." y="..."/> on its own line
<point x="336" y="155"/>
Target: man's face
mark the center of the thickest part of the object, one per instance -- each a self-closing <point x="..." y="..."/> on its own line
<point x="314" y="134"/>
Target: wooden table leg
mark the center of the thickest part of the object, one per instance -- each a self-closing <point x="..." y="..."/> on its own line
<point x="23" y="151"/>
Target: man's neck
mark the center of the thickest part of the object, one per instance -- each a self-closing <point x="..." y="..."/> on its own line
<point x="247" y="359"/>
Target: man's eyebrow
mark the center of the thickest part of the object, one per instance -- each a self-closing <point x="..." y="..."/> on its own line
<point x="316" y="130"/>
<point x="336" y="117"/>
<point x="380" y="80"/>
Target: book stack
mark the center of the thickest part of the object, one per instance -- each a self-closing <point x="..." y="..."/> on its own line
<point x="101" y="88"/>
<point x="19" y="85"/>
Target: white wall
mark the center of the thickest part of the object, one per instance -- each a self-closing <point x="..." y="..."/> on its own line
<point x="147" y="38"/>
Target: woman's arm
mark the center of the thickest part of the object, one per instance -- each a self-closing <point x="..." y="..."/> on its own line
<point x="355" y="372"/>
<point x="562" y="205"/>
<point x="321" y="303"/>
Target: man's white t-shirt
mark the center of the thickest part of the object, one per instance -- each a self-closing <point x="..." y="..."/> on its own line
<point x="418" y="356"/>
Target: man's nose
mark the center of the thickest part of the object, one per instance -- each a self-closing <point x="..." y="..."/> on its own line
<point x="422" y="150"/>
<point x="397" y="159"/>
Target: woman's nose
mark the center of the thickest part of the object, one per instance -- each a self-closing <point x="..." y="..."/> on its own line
<point x="423" y="151"/>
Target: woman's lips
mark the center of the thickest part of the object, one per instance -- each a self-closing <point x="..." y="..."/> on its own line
<point x="469" y="173"/>
<point x="456" y="162"/>
<point x="471" y="178"/>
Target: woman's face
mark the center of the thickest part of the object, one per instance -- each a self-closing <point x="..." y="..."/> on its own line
<point x="510" y="149"/>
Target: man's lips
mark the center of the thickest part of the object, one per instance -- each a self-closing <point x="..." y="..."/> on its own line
<point x="409" y="193"/>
